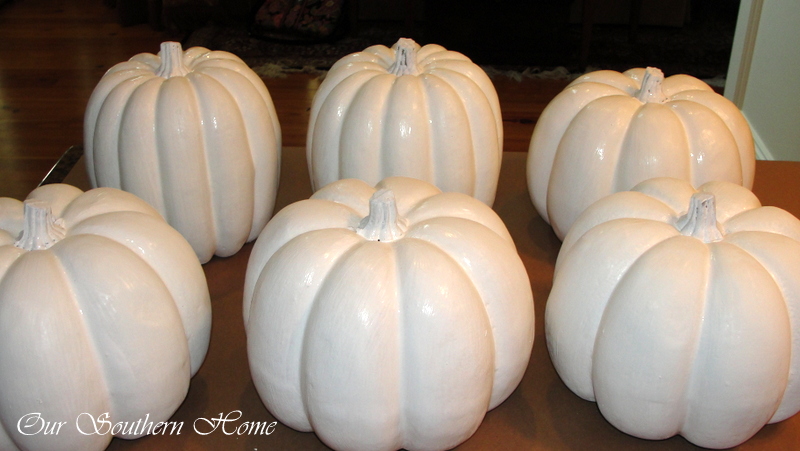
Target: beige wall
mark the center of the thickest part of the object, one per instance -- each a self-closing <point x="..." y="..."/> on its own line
<point x="764" y="75"/>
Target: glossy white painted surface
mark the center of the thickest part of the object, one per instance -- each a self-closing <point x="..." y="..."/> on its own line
<point x="113" y="317"/>
<point x="429" y="114"/>
<point x="674" y="335"/>
<point x="392" y="344"/>
<point x="597" y="137"/>
<point x="193" y="133"/>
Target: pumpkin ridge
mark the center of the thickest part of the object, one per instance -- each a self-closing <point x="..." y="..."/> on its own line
<point x="263" y="250"/>
<point x="145" y="90"/>
<point x="484" y="171"/>
<point x="624" y="82"/>
<point x="732" y="225"/>
<point x="8" y="256"/>
<point x="444" y="57"/>
<point x="48" y="263"/>
<point x="466" y="68"/>
<point x="88" y="337"/>
<point x="402" y="432"/>
<point x="608" y="392"/>
<point x="378" y="53"/>
<point x="378" y="86"/>
<point x="162" y="406"/>
<point x="99" y="201"/>
<point x="742" y="419"/>
<point x="322" y="301"/>
<point x="621" y="145"/>
<point x="193" y="56"/>
<point x="547" y="135"/>
<point x="326" y="99"/>
<point x="202" y="56"/>
<point x="252" y="328"/>
<point x="403" y="136"/>
<point x="232" y="222"/>
<point x="692" y="176"/>
<point x="180" y="281"/>
<point x="233" y="69"/>
<point x="370" y="54"/>
<point x="188" y="154"/>
<point x="130" y="69"/>
<point x="121" y="93"/>
<point x="441" y="171"/>
<point x="380" y="155"/>
<point x="431" y="52"/>
<point x="403" y="252"/>
<point x="700" y="331"/>
<point x="790" y="403"/>
<point x="425" y="100"/>
<point x="573" y="316"/>
<point x="565" y="162"/>
<point x="257" y="135"/>
<point x="446" y="222"/>
<point x="735" y="123"/>
<point x="607" y="210"/>
<point x="689" y="113"/>
<point x="637" y="161"/>
<point x="90" y="126"/>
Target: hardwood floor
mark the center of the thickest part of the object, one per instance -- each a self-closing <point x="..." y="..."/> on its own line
<point x="54" y="52"/>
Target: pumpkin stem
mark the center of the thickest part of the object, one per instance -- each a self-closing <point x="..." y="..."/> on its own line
<point x="171" y="60"/>
<point x="382" y="223"/>
<point x="701" y="219"/>
<point x="41" y="229"/>
<point x="651" y="91"/>
<point x="405" y="62"/>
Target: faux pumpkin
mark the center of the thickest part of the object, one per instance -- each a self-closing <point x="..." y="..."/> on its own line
<point x="104" y="309"/>
<point x="422" y="112"/>
<point x="608" y="131"/>
<point x="193" y="133"/>
<point x="677" y="311"/>
<point x="388" y="317"/>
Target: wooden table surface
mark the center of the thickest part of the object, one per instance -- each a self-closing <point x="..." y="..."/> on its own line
<point x="541" y="414"/>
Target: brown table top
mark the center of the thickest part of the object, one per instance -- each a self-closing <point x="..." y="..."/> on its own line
<point x="541" y="414"/>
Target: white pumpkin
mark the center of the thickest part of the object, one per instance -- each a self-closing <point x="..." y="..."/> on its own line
<point x="104" y="309"/>
<point x="678" y="316"/>
<point x="421" y="112"/>
<point x="608" y="131"/>
<point x="193" y="133"/>
<point x="386" y="319"/>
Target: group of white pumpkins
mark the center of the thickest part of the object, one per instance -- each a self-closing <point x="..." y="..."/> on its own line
<point x="384" y="313"/>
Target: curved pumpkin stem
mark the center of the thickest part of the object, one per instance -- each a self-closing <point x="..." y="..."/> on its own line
<point x="382" y="223"/>
<point x="405" y="62"/>
<point x="41" y="229"/>
<point x="701" y="219"/>
<point x="651" y="91"/>
<point x="171" y="60"/>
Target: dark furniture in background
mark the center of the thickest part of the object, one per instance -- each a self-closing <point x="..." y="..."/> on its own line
<point x="519" y="32"/>
<point x="686" y="36"/>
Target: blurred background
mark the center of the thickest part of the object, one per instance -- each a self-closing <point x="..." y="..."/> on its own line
<point x="682" y="36"/>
